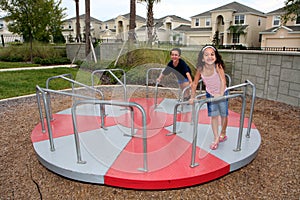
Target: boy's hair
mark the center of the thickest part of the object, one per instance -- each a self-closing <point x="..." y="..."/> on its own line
<point x="219" y="59"/>
<point x="176" y="49"/>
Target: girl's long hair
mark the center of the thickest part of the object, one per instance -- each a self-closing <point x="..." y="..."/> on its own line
<point x="219" y="60"/>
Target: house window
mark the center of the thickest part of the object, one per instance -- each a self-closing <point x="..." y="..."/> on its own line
<point x="1" y="25"/>
<point x="239" y="19"/>
<point x="236" y="38"/>
<point x="258" y="22"/>
<point x="207" y="21"/>
<point x="197" y="22"/>
<point x="70" y="26"/>
<point x="169" y="26"/>
<point x="106" y="26"/>
<point x="276" y="20"/>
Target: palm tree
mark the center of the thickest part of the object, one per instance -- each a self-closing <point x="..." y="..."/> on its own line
<point x="87" y="27"/>
<point x="132" y="25"/>
<point x="150" y="19"/>
<point x="236" y="31"/>
<point x="78" y="39"/>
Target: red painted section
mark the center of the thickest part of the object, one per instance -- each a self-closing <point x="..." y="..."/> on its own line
<point x="62" y="125"/>
<point x="169" y="160"/>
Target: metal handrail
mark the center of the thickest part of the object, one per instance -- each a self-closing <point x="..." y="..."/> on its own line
<point x="247" y="83"/>
<point x="64" y="76"/>
<point x="147" y="80"/>
<point x="111" y="72"/>
<point x="112" y="103"/>
<point x="47" y="86"/>
<point x="201" y="102"/>
<point x="45" y="94"/>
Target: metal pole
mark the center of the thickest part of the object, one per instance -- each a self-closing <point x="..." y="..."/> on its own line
<point x="252" y="108"/>
<point x="242" y="117"/>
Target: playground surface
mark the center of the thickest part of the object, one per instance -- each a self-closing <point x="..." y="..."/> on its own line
<point x="272" y="174"/>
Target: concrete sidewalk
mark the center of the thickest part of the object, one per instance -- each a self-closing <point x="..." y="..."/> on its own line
<point x="35" y="68"/>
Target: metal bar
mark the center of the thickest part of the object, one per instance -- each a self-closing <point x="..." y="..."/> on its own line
<point x="76" y="136"/>
<point x="251" y="108"/>
<point x="147" y="79"/>
<point x="112" y="103"/>
<point x="242" y="117"/>
<point x="38" y="93"/>
<point x="111" y="72"/>
<point x="155" y="95"/>
<point x="195" y="133"/>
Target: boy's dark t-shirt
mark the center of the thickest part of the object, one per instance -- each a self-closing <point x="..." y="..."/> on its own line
<point x="180" y="71"/>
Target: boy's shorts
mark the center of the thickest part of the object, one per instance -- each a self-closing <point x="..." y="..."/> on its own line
<point x="183" y="81"/>
<point x="217" y="108"/>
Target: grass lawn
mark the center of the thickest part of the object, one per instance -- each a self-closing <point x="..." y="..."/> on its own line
<point x="19" y="83"/>
<point x="7" y="65"/>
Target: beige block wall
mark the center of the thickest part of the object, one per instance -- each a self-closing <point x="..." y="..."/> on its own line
<point x="276" y="75"/>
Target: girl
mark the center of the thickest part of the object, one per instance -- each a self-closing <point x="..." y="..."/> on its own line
<point x="210" y="68"/>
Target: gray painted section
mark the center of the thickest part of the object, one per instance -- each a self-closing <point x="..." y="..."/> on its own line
<point x="225" y="151"/>
<point x="99" y="148"/>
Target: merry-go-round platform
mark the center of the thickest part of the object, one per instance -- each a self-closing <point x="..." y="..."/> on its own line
<point x="128" y="150"/>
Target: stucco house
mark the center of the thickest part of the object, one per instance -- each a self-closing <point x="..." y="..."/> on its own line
<point x="230" y="24"/>
<point x="116" y="29"/>
<point x="164" y="29"/>
<point x="278" y="35"/>
<point x="5" y="35"/>
<point x="69" y="28"/>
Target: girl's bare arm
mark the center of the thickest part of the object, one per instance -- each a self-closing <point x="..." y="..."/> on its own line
<point x="221" y="73"/>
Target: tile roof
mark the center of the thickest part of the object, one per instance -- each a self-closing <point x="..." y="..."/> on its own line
<point x="188" y="28"/>
<point x="175" y="17"/>
<point x="289" y="28"/>
<point x="237" y="7"/>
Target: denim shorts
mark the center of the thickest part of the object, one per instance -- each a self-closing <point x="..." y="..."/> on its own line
<point x="183" y="81"/>
<point x="217" y="108"/>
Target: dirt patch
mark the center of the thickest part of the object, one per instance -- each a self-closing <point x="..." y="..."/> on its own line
<point x="273" y="174"/>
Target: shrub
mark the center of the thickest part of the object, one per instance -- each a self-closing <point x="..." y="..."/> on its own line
<point x="22" y="53"/>
<point x="51" y="61"/>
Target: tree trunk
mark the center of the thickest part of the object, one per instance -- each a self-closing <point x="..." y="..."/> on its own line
<point x="78" y="38"/>
<point x="132" y="25"/>
<point x="150" y="23"/>
<point x="87" y="28"/>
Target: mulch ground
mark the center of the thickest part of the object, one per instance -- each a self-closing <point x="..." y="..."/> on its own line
<point x="273" y="174"/>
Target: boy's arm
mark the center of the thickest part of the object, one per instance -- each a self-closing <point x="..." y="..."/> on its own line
<point x="160" y="77"/>
<point x="189" y="77"/>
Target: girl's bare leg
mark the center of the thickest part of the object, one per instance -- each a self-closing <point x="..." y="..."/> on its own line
<point x="224" y="122"/>
<point x="215" y="128"/>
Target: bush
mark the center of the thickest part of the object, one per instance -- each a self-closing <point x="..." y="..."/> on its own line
<point x="22" y="53"/>
<point x="51" y="61"/>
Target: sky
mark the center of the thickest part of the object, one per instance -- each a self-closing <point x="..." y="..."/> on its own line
<point x="104" y="10"/>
